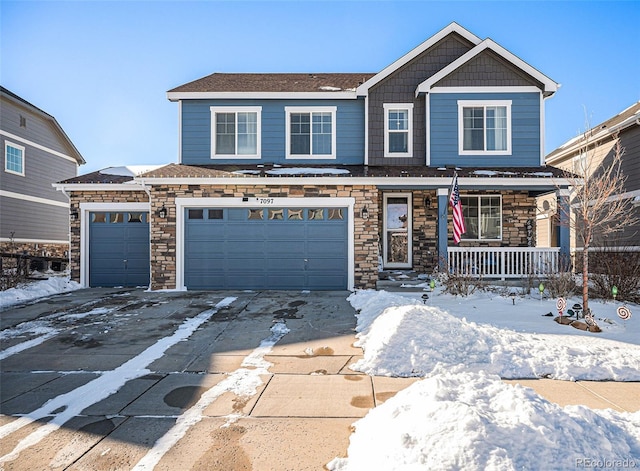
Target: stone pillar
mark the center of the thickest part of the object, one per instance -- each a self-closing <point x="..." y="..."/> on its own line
<point x="443" y="199"/>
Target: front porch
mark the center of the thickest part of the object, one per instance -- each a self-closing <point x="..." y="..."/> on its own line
<point x="495" y="264"/>
<point x="503" y="262"/>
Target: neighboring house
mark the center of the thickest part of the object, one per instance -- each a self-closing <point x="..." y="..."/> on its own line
<point x="318" y="181"/>
<point x="36" y="152"/>
<point x="598" y="145"/>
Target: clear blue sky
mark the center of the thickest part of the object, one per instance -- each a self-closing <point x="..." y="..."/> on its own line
<point x="103" y="68"/>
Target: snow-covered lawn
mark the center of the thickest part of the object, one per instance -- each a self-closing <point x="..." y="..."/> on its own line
<point x="461" y="415"/>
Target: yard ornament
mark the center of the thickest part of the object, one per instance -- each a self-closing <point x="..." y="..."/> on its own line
<point x="624" y="313"/>
<point x="561" y="304"/>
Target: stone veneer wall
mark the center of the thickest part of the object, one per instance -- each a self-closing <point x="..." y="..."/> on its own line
<point x="77" y="197"/>
<point x="163" y="231"/>
<point x="36" y="248"/>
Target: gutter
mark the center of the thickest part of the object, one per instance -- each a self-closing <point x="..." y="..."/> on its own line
<point x="410" y="182"/>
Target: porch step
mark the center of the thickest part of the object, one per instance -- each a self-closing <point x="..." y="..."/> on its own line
<point x="401" y="280"/>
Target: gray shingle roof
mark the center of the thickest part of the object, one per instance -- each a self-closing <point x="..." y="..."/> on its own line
<point x="310" y="82"/>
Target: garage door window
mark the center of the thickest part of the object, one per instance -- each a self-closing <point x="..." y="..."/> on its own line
<point x="136" y="217"/>
<point x="256" y="214"/>
<point x="276" y="214"/>
<point x="335" y="214"/>
<point x="315" y="214"/>
<point x="216" y="214"/>
<point x="295" y="214"/>
<point x="99" y="217"/>
<point x="196" y="214"/>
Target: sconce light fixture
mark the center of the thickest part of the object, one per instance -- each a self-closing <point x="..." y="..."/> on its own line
<point x="73" y="215"/>
<point x="427" y="202"/>
<point x="365" y="213"/>
<point x="162" y="212"/>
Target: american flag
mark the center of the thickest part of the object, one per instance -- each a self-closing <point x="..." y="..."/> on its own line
<point x="456" y="204"/>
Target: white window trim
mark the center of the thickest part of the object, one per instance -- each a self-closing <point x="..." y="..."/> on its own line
<point x="478" y="197"/>
<point x="236" y="110"/>
<point x="398" y="106"/>
<point x="409" y="197"/>
<point x="482" y="103"/>
<point x="310" y="109"/>
<point x="8" y="144"/>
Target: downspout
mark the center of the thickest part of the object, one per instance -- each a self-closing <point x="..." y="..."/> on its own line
<point x="366" y="129"/>
<point x="542" y="128"/>
<point x="147" y="190"/>
<point x="64" y="192"/>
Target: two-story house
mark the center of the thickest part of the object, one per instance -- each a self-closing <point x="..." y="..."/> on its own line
<point x="319" y="180"/>
<point x="36" y="153"/>
<point x="587" y="154"/>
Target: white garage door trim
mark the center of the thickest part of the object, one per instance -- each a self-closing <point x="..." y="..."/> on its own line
<point x="182" y="203"/>
<point x="85" y="209"/>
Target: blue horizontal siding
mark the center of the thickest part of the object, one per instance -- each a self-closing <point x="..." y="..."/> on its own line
<point x="196" y="131"/>
<point x="525" y="130"/>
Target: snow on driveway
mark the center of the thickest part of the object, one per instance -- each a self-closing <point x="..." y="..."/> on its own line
<point x="43" y="329"/>
<point x="243" y="382"/>
<point x="74" y="402"/>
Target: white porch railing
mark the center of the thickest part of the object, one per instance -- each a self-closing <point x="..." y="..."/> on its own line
<point x="503" y="262"/>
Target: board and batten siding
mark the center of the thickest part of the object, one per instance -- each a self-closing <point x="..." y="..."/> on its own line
<point x="196" y="131"/>
<point x="525" y="130"/>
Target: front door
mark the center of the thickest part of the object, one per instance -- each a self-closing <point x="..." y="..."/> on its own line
<point x="397" y="230"/>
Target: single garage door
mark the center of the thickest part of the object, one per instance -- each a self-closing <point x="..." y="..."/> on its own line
<point x="266" y="248"/>
<point x="118" y="249"/>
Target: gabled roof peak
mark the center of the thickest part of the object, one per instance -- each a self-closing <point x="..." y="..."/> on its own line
<point x="550" y="86"/>
<point x="451" y="28"/>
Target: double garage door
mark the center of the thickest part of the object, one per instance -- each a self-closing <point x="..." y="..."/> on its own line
<point x="229" y="248"/>
<point x="266" y="248"/>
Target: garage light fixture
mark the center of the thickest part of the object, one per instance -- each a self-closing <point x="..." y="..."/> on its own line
<point x="162" y="212"/>
<point x="365" y="213"/>
<point x="73" y="215"/>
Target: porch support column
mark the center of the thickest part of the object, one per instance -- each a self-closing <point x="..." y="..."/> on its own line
<point x="564" y="229"/>
<point x="443" y="199"/>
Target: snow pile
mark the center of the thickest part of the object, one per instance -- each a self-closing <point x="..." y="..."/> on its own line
<point x="39" y="289"/>
<point x="462" y="415"/>
<point x="402" y="337"/>
<point x="474" y="421"/>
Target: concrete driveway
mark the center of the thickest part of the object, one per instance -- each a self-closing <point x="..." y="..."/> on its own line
<point x="119" y="379"/>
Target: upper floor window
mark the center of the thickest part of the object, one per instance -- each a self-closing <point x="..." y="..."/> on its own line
<point x="398" y="126"/>
<point x="484" y="127"/>
<point x="13" y="158"/>
<point x="482" y="217"/>
<point x="311" y="132"/>
<point x="235" y="132"/>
